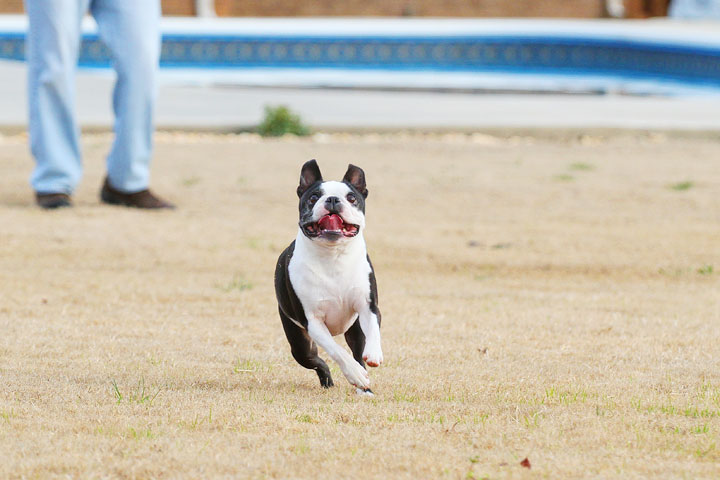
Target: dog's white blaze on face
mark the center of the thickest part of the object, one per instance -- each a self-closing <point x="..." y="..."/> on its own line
<point x="349" y="213"/>
<point x="332" y="213"/>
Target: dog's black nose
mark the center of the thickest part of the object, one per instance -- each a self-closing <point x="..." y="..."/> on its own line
<point x="333" y="205"/>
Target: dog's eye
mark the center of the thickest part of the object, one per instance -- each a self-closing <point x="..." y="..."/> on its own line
<point x="351" y="198"/>
<point x="314" y="198"/>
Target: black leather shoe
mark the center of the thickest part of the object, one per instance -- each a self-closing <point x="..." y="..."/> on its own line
<point x="142" y="199"/>
<point x="51" y="201"/>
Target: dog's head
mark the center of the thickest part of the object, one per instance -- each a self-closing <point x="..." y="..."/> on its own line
<point x="331" y="211"/>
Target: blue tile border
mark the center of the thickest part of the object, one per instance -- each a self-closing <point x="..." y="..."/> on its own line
<point x="520" y="54"/>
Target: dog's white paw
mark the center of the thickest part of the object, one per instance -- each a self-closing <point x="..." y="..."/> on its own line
<point x="373" y="356"/>
<point x="364" y="393"/>
<point x="357" y="375"/>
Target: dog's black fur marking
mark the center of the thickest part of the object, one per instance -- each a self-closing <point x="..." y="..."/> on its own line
<point x="309" y="176"/>
<point x="374" y="293"/>
<point x="355" y="177"/>
<point x="303" y="349"/>
<point x="355" y="339"/>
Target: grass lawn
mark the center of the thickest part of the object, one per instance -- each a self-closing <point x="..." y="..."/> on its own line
<point x="549" y="298"/>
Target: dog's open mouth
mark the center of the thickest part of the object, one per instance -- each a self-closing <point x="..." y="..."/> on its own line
<point x="331" y="225"/>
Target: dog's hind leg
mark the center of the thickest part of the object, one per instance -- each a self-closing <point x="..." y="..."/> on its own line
<point x="304" y="350"/>
<point x="355" y="339"/>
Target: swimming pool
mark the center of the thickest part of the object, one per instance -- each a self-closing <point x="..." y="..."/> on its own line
<point x="641" y="57"/>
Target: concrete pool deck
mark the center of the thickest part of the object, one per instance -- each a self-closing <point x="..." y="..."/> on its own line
<point x="225" y="107"/>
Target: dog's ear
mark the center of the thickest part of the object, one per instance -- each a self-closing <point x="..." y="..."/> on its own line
<point x="356" y="177"/>
<point x="309" y="174"/>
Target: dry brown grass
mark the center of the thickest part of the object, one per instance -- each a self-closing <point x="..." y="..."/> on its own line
<point x="555" y="300"/>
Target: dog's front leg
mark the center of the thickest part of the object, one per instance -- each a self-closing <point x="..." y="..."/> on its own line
<point x="353" y="371"/>
<point x="372" y="354"/>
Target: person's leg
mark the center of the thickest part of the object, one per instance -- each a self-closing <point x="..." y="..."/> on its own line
<point x="131" y="30"/>
<point x="52" y="49"/>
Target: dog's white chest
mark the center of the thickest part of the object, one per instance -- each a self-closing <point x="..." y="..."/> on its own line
<point x="331" y="288"/>
<point x="338" y="311"/>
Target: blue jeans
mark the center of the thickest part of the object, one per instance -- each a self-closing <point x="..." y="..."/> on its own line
<point x="131" y="31"/>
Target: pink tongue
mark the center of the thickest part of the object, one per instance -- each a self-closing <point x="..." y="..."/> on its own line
<point x="331" y="222"/>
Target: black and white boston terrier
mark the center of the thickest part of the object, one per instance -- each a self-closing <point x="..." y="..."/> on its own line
<point x="324" y="281"/>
